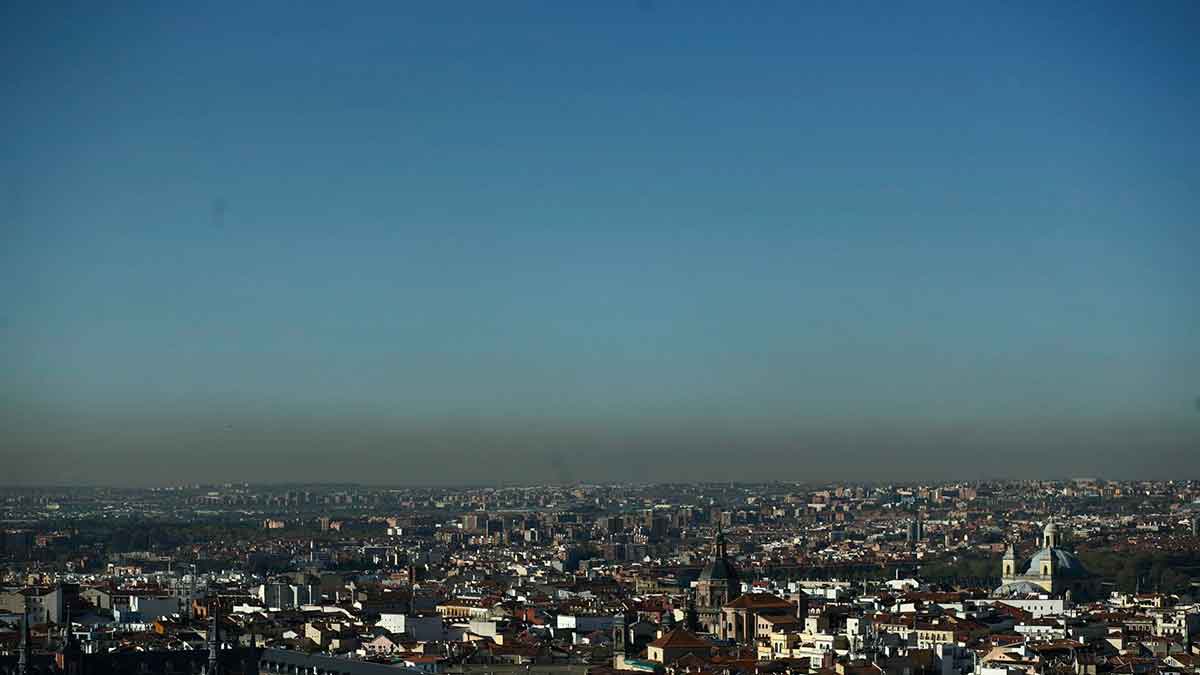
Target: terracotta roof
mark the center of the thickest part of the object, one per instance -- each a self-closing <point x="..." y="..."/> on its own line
<point x="679" y="639"/>
<point x="690" y="662"/>
<point x="758" y="601"/>
<point x="784" y="619"/>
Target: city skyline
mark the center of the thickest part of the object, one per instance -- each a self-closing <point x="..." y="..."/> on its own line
<point x="919" y="579"/>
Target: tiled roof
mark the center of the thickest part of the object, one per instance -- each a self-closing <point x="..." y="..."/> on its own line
<point x="758" y="601"/>
<point x="679" y="639"/>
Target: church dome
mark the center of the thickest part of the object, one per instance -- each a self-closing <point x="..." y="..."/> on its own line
<point x="1018" y="589"/>
<point x="719" y="569"/>
<point x="1066" y="565"/>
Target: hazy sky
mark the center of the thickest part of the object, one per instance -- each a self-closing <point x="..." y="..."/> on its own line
<point x="443" y="241"/>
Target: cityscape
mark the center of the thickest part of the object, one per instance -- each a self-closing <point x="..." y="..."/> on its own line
<point x="1084" y="576"/>
<point x="617" y="337"/>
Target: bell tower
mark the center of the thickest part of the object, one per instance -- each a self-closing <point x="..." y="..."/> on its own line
<point x="214" y="640"/>
<point x="69" y="659"/>
<point x="1009" y="566"/>
<point x="620" y="641"/>
<point x="1050" y="536"/>
<point x="23" y="664"/>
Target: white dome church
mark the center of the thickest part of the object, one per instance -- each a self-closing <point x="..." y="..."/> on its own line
<point x="1053" y="570"/>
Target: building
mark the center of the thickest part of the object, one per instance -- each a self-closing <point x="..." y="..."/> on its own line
<point x="69" y="659"/>
<point x="44" y="604"/>
<point x="151" y="607"/>
<point x="742" y="618"/>
<point x="1053" y="570"/>
<point x="16" y="544"/>
<point x="675" y="644"/>
<point x="583" y="623"/>
<point x="97" y="597"/>
<point x="421" y="628"/>
<point x="719" y="583"/>
<point x="1037" y="607"/>
<point x="290" y="593"/>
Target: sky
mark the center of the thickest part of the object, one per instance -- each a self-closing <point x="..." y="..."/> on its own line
<point x="471" y="242"/>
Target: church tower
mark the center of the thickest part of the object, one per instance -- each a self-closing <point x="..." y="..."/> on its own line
<point x="1051" y="537"/>
<point x="214" y="641"/>
<point x="1009" y="568"/>
<point x="23" y="664"/>
<point x="692" y="621"/>
<point x="719" y="583"/>
<point x="1047" y="568"/>
<point x="70" y="658"/>
<point x="620" y="648"/>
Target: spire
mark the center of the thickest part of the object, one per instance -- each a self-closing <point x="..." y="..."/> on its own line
<point x="251" y="661"/>
<point x="1010" y="553"/>
<point x="214" y="639"/>
<point x="720" y="539"/>
<point x="69" y="659"/>
<point x="869" y="641"/>
<point x="23" y="661"/>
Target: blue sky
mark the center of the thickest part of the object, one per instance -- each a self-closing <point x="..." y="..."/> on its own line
<point x="606" y="218"/>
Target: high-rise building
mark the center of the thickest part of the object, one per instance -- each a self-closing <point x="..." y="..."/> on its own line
<point x="17" y="544"/>
<point x="474" y="522"/>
